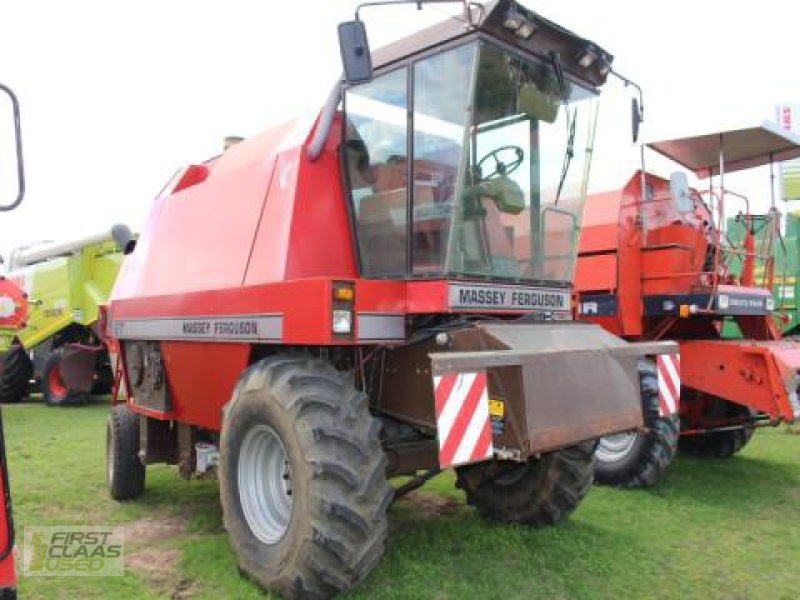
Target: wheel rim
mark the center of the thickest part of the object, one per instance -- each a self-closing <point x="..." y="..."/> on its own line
<point x="615" y="447"/>
<point x="57" y="387"/>
<point x="265" y="484"/>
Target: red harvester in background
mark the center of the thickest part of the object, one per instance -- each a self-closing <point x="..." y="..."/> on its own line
<point x="659" y="266"/>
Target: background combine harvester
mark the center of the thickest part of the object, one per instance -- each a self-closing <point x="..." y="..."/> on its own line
<point x="658" y="266"/>
<point x="390" y="294"/>
<point x="13" y="312"/>
<point x="59" y="346"/>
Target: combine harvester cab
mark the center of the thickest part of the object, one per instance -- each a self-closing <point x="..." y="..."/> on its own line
<point x="384" y="292"/>
<point x="59" y="345"/>
<point x="659" y="266"/>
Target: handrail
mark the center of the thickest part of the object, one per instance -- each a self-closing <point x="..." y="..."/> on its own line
<point x="18" y="143"/>
<point x="763" y="260"/>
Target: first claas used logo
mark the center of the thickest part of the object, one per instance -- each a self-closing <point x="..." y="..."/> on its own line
<point x="72" y="551"/>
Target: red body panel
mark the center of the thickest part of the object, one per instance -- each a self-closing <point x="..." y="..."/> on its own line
<point x="754" y="374"/>
<point x="598" y="272"/>
<point x="600" y="231"/>
<point x="202" y="391"/>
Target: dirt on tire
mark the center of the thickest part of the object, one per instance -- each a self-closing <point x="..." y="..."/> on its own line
<point x="336" y="469"/>
<point x="543" y="491"/>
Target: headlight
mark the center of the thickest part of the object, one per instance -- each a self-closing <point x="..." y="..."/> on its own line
<point x="770" y="303"/>
<point x="723" y="302"/>
<point x="342" y="321"/>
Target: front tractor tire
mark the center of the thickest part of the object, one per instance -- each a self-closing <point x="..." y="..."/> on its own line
<point x="15" y="375"/>
<point x="124" y="470"/>
<point x="543" y="491"/>
<point x="636" y="459"/>
<point x="54" y="391"/>
<point x="302" y="478"/>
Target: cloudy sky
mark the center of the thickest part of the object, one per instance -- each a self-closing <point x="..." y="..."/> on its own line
<point x="118" y="94"/>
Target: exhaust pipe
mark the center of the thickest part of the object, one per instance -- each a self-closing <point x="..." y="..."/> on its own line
<point x="23" y="257"/>
<point x="124" y="237"/>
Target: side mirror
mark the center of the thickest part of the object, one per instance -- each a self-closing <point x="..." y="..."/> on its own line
<point x="356" y="57"/>
<point x="124" y="238"/>
<point x="681" y="193"/>
<point x="636" y="119"/>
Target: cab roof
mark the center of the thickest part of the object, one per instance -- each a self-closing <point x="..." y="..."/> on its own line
<point x="547" y="38"/>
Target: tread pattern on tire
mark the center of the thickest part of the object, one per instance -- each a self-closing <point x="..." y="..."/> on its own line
<point x="655" y="450"/>
<point x="545" y="493"/>
<point x="723" y="444"/>
<point x="16" y="375"/>
<point x="348" y="491"/>
<point x="129" y="472"/>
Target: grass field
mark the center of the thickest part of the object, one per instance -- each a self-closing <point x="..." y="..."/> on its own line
<point x="713" y="529"/>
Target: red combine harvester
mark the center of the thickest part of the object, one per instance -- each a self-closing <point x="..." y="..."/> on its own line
<point x="382" y="291"/>
<point x="659" y="266"/>
<point x="13" y="313"/>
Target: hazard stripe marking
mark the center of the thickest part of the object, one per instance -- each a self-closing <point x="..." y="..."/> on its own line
<point x="669" y="384"/>
<point x="462" y="418"/>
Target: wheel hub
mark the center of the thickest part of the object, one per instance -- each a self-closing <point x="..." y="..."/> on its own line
<point x="613" y="448"/>
<point x="265" y="484"/>
<point x="57" y="387"/>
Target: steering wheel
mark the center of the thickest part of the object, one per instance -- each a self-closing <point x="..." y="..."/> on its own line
<point x="501" y="168"/>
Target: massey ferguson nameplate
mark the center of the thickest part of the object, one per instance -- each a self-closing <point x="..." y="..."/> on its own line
<point x="233" y="329"/>
<point x="497" y="297"/>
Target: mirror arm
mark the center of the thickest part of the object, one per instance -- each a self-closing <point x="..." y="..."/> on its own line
<point x="630" y="82"/>
<point x="325" y="122"/>
<point x="18" y="141"/>
<point x="468" y="6"/>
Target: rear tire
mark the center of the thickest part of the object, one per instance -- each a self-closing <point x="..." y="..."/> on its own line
<point x="302" y="478"/>
<point x="54" y="390"/>
<point x="124" y="470"/>
<point x="15" y="379"/>
<point x="721" y="444"/>
<point x="543" y="491"/>
<point x="639" y="460"/>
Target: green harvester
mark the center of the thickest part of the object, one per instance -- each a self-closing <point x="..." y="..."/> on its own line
<point x="60" y="349"/>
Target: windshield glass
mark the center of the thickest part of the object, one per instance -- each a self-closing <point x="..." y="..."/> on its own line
<point x="500" y="156"/>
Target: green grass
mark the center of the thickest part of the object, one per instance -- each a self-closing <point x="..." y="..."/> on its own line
<point x="713" y="529"/>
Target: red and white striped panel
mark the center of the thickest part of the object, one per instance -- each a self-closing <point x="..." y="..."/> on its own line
<point x="462" y="418"/>
<point x="669" y="383"/>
